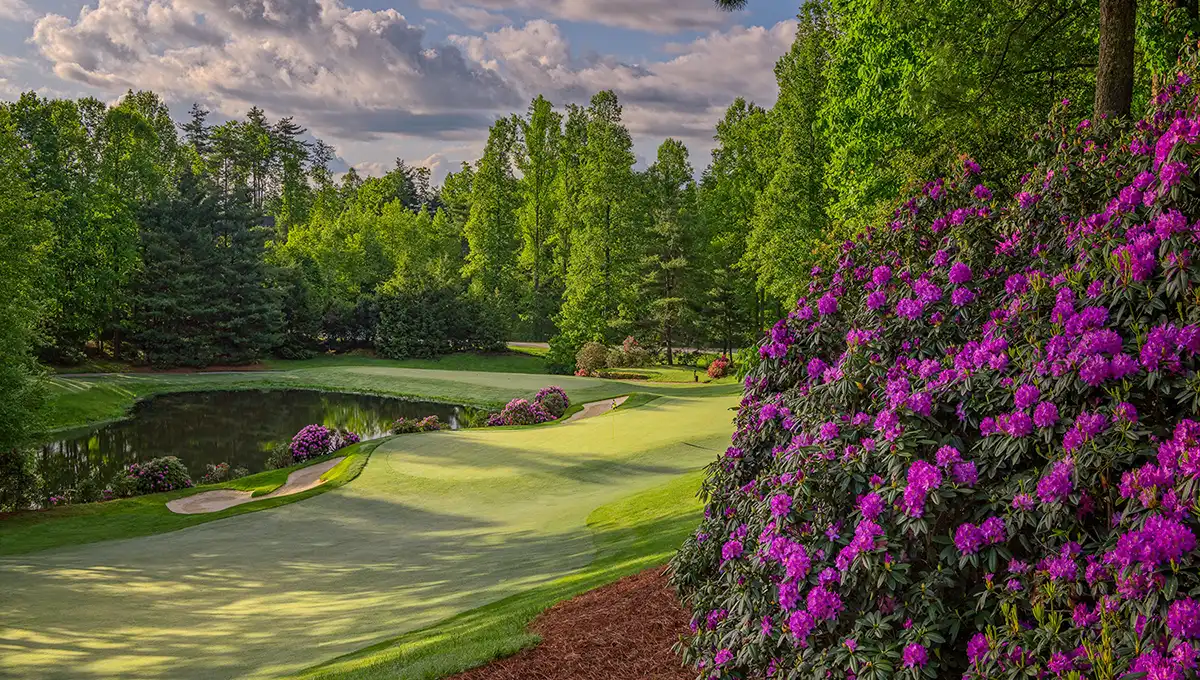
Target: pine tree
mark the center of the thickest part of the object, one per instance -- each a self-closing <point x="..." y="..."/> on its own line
<point x="671" y="273"/>
<point x="203" y="294"/>
<point x="197" y="132"/>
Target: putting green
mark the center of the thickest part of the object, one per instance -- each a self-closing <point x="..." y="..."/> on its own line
<point x="435" y="525"/>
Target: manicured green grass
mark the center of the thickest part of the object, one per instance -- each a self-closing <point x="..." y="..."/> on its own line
<point x="77" y="402"/>
<point x="27" y="532"/>
<point x="531" y="351"/>
<point x="630" y="535"/>
<point x="435" y="525"/>
<point x="677" y="374"/>
<point x="516" y="360"/>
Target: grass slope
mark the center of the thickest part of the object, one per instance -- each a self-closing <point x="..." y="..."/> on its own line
<point x="630" y="535"/>
<point x="77" y="402"/>
<point x="436" y="525"/>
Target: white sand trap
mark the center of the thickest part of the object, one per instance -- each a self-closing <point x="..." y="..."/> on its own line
<point x="597" y="408"/>
<point x="215" y="501"/>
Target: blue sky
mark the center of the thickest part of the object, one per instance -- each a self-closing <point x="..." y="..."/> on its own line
<point x="417" y="79"/>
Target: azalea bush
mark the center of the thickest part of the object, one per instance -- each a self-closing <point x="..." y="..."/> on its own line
<point x="222" y="472"/>
<point x="972" y="449"/>
<point x="592" y="357"/>
<point x="719" y="367"/>
<point x="552" y="400"/>
<point x="411" y="425"/>
<point x="520" y="412"/>
<point x="314" y="441"/>
<point x="159" y="474"/>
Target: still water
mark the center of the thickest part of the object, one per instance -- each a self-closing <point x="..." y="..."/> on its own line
<point x="238" y="428"/>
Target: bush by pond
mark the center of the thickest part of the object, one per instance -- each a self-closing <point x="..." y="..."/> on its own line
<point x="167" y="473"/>
<point x="411" y="425"/>
<point x="971" y="449"/>
<point x="314" y="441"/>
<point x="222" y="472"/>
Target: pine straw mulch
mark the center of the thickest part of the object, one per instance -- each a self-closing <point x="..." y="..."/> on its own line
<point x="623" y="631"/>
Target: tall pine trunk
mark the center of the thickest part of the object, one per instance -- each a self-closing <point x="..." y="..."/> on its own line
<point x="1114" y="71"/>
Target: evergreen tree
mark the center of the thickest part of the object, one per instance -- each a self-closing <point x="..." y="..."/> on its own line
<point x="196" y="131"/>
<point x="790" y="224"/>
<point x="202" y="296"/>
<point x="672" y="271"/>
<point x="728" y="192"/>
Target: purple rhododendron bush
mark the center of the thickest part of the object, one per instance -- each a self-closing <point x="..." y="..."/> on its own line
<point x="972" y="449"/>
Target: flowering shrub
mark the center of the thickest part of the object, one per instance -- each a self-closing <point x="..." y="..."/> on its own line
<point x="552" y="400"/>
<point x="314" y="441"/>
<point x="592" y="357"/>
<point x="410" y="425"/>
<point x="971" y="450"/>
<point x="222" y="472"/>
<point x="520" y="412"/>
<point x="159" y="474"/>
<point x="340" y="439"/>
<point x="719" y="367"/>
<point x="215" y="473"/>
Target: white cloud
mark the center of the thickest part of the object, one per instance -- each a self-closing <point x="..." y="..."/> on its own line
<point x="16" y="10"/>
<point x="353" y="72"/>
<point x="653" y="16"/>
<point x="476" y="18"/>
<point x="358" y="76"/>
<point x="681" y="97"/>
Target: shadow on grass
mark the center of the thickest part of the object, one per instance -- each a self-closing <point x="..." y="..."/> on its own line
<point x="500" y="629"/>
<point x="240" y="599"/>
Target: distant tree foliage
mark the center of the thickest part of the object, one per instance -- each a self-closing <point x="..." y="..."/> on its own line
<point x="202" y="297"/>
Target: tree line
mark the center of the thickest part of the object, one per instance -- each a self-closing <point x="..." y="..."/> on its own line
<point x="133" y="236"/>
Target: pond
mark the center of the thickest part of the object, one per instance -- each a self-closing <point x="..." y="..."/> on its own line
<point x="239" y="428"/>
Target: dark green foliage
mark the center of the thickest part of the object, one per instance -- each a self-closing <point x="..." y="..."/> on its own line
<point x="432" y="322"/>
<point x="202" y="296"/>
<point x="22" y="238"/>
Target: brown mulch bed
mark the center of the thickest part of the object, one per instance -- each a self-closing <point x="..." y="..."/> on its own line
<point x="623" y="631"/>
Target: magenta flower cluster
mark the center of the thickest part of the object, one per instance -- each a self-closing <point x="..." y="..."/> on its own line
<point x="972" y="449"/>
<point x="550" y="403"/>
<point x="167" y="473"/>
<point x="314" y="441"/>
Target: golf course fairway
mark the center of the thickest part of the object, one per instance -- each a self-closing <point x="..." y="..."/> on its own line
<point x="435" y="525"/>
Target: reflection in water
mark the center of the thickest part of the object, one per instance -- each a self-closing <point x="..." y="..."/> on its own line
<point x="238" y="428"/>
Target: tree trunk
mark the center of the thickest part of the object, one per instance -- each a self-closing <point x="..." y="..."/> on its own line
<point x="1114" y="72"/>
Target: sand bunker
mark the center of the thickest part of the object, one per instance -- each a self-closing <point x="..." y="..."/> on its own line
<point x="215" y="501"/>
<point x="597" y="408"/>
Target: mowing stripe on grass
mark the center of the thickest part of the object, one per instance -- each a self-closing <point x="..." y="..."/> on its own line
<point x="437" y="524"/>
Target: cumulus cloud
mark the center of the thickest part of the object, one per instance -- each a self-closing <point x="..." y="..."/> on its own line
<point x="681" y="97"/>
<point x="16" y="10"/>
<point x="350" y="71"/>
<point x="655" y="16"/>
<point x="355" y="76"/>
